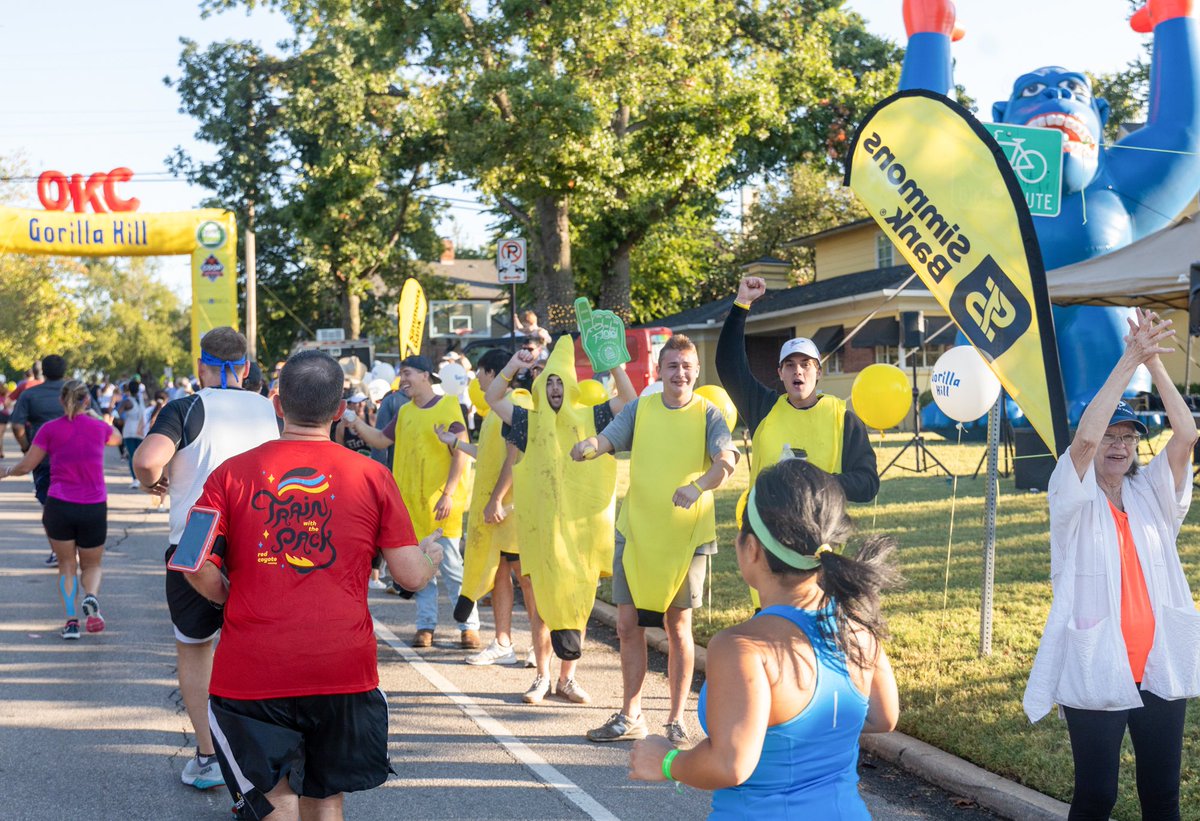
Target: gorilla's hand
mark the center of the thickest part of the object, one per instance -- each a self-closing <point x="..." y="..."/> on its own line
<point x="1156" y="11"/>
<point x="931" y="17"/>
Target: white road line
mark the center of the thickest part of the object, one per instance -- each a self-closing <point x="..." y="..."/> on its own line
<point x="517" y="748"/>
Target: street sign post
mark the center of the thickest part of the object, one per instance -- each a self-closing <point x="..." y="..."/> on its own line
<point x="512" y="270"/>
<point x="1036" y="157"/>
<point x="510" y="261"/>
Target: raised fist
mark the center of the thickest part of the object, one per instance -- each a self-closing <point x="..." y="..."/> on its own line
<point x="1156" y="11"/>
<point x="931" y="17"/>
<point x="750" y="289"/>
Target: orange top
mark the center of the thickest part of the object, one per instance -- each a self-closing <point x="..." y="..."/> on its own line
<point x="1137" y="617"/>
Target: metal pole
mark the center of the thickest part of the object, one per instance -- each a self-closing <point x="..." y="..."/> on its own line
<point x="512" y="306"/>
<point x="989" y="530"/>
<point x="251" y="294"/>
<point x="1187" y="366"/>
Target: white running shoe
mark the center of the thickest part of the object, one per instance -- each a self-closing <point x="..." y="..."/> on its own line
<point x="202" y="776"/>
<point x="530" y="660"/>
<point x="376" y="584"/>
<point x="572" y="692"/>
<point x="537" y="691"/>
<point x="494" y="653"/>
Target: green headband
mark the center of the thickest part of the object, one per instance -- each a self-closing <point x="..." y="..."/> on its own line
<point x="773" y="546"/>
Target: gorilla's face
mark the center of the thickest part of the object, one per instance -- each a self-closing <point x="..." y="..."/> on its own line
<point x="1053" y="97"/>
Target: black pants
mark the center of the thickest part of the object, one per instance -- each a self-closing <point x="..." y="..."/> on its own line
<point x="1156" y="730"/>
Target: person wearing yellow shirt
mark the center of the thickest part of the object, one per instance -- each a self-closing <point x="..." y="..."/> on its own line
<point x="680" y="451"/>
<point x="564" y="508"/>
<point x="804" y="421"/>
<point x="430" y="476"/>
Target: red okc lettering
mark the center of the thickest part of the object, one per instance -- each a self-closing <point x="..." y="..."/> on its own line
<point x="56" y="191"/>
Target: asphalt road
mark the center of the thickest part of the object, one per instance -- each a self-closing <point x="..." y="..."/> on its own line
<point x="95" y="728"/>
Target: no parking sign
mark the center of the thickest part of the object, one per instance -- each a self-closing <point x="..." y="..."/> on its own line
<point x="510" y="261"/>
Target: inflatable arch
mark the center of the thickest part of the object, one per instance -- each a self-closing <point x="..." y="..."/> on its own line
<point x="208" y="235"/>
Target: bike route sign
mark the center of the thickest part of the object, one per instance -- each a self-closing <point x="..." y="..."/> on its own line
<point x="1036" y="156"/>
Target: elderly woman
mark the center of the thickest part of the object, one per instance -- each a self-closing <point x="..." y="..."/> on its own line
<point x="789" y="692"/>
<point x="1121" y="647"/>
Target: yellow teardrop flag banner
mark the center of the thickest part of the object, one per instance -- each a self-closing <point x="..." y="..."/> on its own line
<point x="413" y="308"/>
<point x="944" y="194"/>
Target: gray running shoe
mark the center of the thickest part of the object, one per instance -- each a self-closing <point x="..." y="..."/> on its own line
<point x="537" y="691"/>
<point x="675" y="733"/>
<point x="619" y="727"/>
<point x="572" y="692"/>
<point x="202" y="775"/>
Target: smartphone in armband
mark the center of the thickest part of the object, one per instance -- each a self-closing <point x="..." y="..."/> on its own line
<point x="196" y="543"/>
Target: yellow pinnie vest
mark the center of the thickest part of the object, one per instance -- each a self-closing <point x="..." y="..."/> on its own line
<point x="670" y="449"/>
<point x="481" y="553"/>
<point x="422" y="463"/>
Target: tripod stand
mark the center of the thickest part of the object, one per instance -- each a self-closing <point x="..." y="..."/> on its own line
<point x="1006" y="444"/>
<point x="917" y="442"/>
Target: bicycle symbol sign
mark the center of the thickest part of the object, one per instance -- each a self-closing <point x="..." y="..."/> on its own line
<point x="510" y="261"/>
<point x="1035" y="155"/>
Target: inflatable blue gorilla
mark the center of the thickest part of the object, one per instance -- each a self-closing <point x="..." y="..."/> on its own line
<point x="1112" y="195"/>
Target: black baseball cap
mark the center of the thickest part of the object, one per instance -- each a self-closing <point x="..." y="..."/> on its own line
<point x="419" y="363"/>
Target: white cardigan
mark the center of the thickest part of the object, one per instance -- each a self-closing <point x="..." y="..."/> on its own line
<point x="1082" y="661"/>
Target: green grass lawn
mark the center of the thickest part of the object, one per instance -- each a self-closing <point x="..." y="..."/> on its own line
<point x="950" y="697"/>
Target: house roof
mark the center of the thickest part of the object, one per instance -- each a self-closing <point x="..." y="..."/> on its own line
<point x="478" y="275"/>
<point x="809" y="239"/>
<point x="806" y="296"/>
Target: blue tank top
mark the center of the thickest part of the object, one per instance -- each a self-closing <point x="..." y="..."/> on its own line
<point x="809" y="764"/>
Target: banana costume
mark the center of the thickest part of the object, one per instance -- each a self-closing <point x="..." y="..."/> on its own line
<point x="668" y="451"/>
<point x="565" y="528"/>
<point x="481" y="554"/>
<point x="422" y="463"/>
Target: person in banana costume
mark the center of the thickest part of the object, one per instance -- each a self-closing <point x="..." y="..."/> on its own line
<point x="565" y="508"/>
<point x="680" y="450"/>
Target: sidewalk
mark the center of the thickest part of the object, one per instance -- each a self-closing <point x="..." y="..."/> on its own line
<point x="1000" y="795"/>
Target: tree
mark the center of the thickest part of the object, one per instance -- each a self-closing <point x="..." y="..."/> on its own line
<point x="132" y="322"/>
<point x="40" y="316"/>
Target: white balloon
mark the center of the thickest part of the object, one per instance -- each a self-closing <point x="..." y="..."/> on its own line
<point x="454" y="378"/>
<point x="382" y="370"/>
<point x="652" y="388"/>
<point x="962" y="384"/>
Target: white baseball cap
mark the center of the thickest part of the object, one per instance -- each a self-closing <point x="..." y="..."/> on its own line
<point x="801" y="345"/>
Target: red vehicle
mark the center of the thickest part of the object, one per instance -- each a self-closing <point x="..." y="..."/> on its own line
<point x="644" y="345"/>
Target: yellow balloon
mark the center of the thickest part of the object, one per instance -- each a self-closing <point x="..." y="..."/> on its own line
<point x="396" y="384"/>
<point x="522" y="398"/>
<point x="475" y="392"/>
<point x="881" y="395"/>
<point x="591" y="393"/>
<point x="720" y="398"/>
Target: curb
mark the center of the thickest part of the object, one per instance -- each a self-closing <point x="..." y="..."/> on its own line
<point x="990" y="791"/>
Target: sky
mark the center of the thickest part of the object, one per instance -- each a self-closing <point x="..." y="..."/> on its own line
<point x="85" y="93"/>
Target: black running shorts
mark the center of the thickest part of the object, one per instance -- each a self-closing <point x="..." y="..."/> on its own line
<point x="196" y="619"/>
<point x="324" y="745"/>
<point x="86" y="525"/>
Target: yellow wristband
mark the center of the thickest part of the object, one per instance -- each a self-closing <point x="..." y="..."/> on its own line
<point x="697" y="486"/>
<point x="740" y="305"/>
<point x="507" y="378"/>
<point x="426" y="555"/>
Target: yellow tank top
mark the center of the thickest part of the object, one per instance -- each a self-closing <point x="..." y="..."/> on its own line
<point x="670" y="449"/>
<point x="422" y="463"/>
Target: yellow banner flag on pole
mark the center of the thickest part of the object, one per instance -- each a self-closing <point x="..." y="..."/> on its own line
<point x="412" y="310"/>
<point x="941" y="189"/>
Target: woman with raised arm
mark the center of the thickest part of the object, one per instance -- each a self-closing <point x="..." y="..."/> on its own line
<point x="76" y="512"/>
<point x="1121" y="647"/>
<point x="789" y="692"/>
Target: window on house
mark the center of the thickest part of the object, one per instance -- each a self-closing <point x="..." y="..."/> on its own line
<point x="833" y="362"/>
<point x="884" y="251"/>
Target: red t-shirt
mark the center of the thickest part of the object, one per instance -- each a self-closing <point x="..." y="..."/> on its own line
<point x="302" y="521"/>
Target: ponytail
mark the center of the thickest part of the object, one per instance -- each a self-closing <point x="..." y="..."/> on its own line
<point x="74" y="397"/>
<point x="803" y="510"/>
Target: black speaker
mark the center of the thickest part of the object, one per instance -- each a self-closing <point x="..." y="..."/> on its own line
<point x="912" y="327"/>
<point x="1194" y="301"/>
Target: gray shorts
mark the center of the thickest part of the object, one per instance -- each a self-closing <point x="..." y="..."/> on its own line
<point x="691" y="592"/>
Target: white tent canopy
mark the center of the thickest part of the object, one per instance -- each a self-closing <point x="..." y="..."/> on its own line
<point x="1153" y="271"/>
